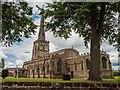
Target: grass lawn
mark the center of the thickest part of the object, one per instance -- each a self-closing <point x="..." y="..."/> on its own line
<point x="11" y="79"/>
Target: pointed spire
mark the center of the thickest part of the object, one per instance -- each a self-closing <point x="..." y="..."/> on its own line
<point x="41" y="35"/>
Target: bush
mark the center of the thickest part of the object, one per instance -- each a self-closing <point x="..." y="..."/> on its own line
<point x="4" y="73"/>
<point x="116" y="73"/>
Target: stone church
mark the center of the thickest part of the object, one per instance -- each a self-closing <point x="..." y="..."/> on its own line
<point x="66" y="61"/>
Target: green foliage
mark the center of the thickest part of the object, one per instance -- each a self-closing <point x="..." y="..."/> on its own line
<point x="16" y="22"/>
<point x="116" y="73"/>
<point x="4" y="73"/>
<point x="3" y="62"/>
<point x="66" y="17"/>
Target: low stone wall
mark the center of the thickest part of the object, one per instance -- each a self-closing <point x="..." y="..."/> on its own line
<point x="58" y="86"/>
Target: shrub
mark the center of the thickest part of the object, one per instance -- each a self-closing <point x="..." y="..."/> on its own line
<point x="4" y="73"/>
<point x="116" y="73"/>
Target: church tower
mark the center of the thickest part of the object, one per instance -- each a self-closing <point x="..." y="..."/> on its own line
<point x="41" y="46"/>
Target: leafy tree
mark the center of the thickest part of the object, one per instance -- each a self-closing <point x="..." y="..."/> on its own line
<point x="3" y="62"/>
<point x="94" y="21"/>
<point x="16" y="22"/>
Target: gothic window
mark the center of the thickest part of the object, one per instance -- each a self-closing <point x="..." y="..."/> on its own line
<point x="75" y="65"/>
<point x="43" y="34"/>
<point x="82" y="65"/>
<point x="68" y="69"/>
<point x="38" y="70"/>
<point x="59" y="66"/>
<point x="88" y="64"/>
<point x="28" y="73"/>
<point x="104" y="63"/>
<point x="47" y="67"/>
<point x="35" y="50"/>
<point x="42" y="68"/>
<point x="38" y="47"/>
<point x="35" y="53"/>
<point x="33" y="72"/>
<point x="35" y="47"/>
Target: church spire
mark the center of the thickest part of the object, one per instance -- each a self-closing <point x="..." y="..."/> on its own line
<point x="41" y="35"/>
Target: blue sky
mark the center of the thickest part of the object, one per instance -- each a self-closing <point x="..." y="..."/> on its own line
<point x="35" y="17"/>
<point x="19" y="53"/>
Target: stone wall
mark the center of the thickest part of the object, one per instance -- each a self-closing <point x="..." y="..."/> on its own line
<point x="58" y="86"/>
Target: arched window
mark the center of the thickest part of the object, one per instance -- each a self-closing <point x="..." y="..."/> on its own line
<point x="47" y="67"/>
<point x="88" y="64"/>
<point x="75" y="65"/>
<point x="82" y="65"/>
<point x="35" y="47"/>
<point x="38" y="71"/>
<point x="59" y="66"/>
<point x="43" y="34"/>
<point x="68" y="69"/>
<point x="104" y="63"/>
<point x="35" y="50"/>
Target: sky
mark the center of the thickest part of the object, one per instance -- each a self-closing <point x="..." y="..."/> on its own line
<point x="20" y="52"/>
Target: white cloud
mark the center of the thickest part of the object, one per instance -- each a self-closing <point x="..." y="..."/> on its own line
<point x="2" y="55"/>
<point x="9" y="64"/>
<point x="61" y="43"/>
<point x="53" y="48"/>
<point x="116" y="67"/>
<point x="23" y="51"/>
<point x="19" y="51"/>
<point x="113" y="53"/>
<point x="19" y="62"/>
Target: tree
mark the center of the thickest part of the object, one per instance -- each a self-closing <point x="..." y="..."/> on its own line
<point x="95" y="22"/>
<point x="16" y="22"/>
<point x="3" y="62"/>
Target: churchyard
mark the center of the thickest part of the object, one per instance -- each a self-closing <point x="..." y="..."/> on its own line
<point x="12" y="79"/>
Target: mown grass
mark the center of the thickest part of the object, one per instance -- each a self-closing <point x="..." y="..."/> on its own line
<point x="11" y="79"/>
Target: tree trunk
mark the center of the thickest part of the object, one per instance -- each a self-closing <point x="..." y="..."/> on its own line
<point x="96" y="31"/>
<point x="94" y="73"/>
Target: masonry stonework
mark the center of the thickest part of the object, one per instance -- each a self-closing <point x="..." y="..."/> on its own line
<point x="66" y="61"/>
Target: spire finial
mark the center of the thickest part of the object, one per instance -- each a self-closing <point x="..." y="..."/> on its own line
<point x="41" y="35"/>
